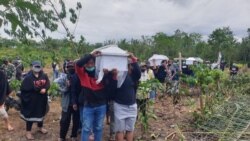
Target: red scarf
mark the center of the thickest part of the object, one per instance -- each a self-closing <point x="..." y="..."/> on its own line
<point x="86" y="81"/>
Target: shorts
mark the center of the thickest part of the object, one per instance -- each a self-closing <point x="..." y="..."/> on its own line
<point x="125" y="117"/>
<point x="3" y="113"/>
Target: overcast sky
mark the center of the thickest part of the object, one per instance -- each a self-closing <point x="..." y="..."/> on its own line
<point x="102" y="20"/>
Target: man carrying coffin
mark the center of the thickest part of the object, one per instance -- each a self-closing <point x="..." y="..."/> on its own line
<point x="125" y="107"/>
<point x="92" y="96"/>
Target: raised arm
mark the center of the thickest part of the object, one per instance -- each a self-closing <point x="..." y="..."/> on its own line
<point x="136" y="71"/>
<point x="83" y="60"/>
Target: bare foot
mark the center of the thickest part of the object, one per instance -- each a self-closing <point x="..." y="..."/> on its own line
<point x="43" y="131"/>
<point x="29" y="136"/>
<point x="10" y="128"/>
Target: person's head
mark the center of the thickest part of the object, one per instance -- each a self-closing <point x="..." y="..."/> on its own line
<point x="143" y="67"/>
<point x="164" y="62"/>
<point x="170" y="62"/>
<point x="90" y="65"/>
<point x="6" y="61"/>
<point x="70" y="67"/>
<point x="36" y="67"/>
<point x="16" y="63"/>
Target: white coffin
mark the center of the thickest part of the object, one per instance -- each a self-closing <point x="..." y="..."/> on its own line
<point x="112" y="57"/>
<point x="191" y="60"/>
<point x="158" y="59"/>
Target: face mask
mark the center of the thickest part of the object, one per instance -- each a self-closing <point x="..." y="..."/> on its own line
<point x="90" y="69"/>
<point x="71" y="71"/>
<point x="143" y="70"/>
<point x="36" y="69"/>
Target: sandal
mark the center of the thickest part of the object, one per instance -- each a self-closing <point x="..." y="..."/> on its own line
<point x="43" y="131"/>
<point x="29" y="136"/>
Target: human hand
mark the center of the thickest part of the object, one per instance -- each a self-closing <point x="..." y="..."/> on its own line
<point x="75" y="107"/>
<point x="43" y="91"/>
<point x="130" y="55"/>
<point x="68" y="83"/>
<point x="114" y="71"/>
<point x="96" y="53"/>
<point x="105" y="71"/>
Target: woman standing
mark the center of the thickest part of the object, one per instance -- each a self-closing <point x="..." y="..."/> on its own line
<point x="34" y="99"/>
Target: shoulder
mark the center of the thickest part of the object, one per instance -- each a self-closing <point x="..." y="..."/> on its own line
<point x="28" y="78"/>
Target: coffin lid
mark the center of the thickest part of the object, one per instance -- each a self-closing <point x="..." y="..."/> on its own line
<point x="111" y="50"/>
<point x="158" y="57"/>
<point x="194" y="59"/>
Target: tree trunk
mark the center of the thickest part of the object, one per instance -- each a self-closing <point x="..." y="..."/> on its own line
<point x="201" y="99"/>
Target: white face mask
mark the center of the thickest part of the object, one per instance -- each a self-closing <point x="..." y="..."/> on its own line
<point x="36" y="69"/>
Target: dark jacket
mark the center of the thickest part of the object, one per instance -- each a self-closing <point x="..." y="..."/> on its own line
<point x="161" y="74"/>
<point x="4" y="87"/>
<point x="33" y="102"/>
<point x="92" y="94"/>
<point x="126" y="94"/>
<point x="75" y="89"/>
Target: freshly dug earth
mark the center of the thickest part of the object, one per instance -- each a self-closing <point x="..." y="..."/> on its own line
<point x="167" y="123"/>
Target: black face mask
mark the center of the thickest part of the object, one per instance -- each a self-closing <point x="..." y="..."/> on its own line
<point x="169" y="65"/>
<point x="71" y="71"/>
<point x="143" y="70"/>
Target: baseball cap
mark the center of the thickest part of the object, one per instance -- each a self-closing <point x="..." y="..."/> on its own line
<point x="36" y="63"/>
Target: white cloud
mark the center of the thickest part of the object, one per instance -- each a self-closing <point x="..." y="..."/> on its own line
<point x="101" y="20"/>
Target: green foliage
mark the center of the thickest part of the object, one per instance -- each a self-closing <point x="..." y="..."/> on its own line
<point x="146" y="87"/>
<point x="146" y="111"/>
<point x="29" y="18"/>
<point x="161" y="43"/>
<point x="54" y="90"/>
<point x="222" y="38"/>
<point x="15" y="85"/>
<point x="229" y="120"/>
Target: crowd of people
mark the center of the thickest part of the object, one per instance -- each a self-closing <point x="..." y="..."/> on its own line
<point x="84" y="102"/>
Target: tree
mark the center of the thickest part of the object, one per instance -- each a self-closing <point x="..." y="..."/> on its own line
<point x="244" y="51"/>
<point x="222" y="38"/>
<point x="31" y="18"/>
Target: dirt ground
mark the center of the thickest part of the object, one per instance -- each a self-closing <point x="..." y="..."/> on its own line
<point x="167" y="123"/>
<point x="167" y="126"/>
